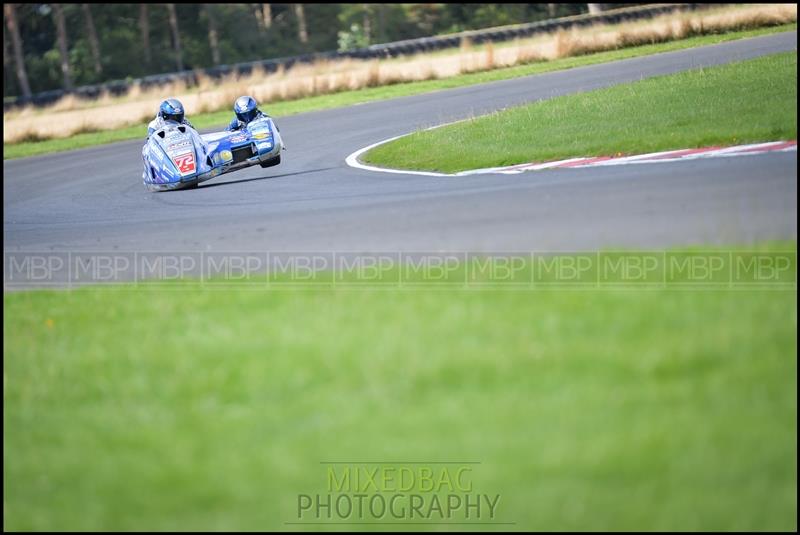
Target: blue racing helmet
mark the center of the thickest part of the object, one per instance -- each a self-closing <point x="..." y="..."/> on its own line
<point x="245" y="109"/>
<point x="171" y="110"/>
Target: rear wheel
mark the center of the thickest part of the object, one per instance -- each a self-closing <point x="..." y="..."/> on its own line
<point x="271" y="162"/>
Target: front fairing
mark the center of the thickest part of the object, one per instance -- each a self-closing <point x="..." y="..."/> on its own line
<point x="175" y="155"/>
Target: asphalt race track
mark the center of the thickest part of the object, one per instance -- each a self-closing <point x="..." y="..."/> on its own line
<point x="93" y="199"/>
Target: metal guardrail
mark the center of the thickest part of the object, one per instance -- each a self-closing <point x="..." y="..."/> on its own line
<point x="387" y="50"/>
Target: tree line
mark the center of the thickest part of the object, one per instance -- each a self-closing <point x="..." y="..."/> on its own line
<point x="53" y="46"/>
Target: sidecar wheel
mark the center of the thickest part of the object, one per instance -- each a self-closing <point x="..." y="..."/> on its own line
<point x="271" y="162"/>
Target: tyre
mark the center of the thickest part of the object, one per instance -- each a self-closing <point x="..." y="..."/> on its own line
<point x="271" y="162"/>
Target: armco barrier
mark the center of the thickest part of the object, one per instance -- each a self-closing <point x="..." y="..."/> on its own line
<point x="397" y="48"/>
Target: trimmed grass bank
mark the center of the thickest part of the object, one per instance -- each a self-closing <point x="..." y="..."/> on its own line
<point x="743" y="102"/>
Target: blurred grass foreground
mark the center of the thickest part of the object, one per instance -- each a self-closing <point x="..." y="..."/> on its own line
<point x="189" y="407"/>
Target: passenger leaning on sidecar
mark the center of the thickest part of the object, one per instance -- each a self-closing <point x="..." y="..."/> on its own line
<point x="246" y="110"/>
<point x="170" y="110"/>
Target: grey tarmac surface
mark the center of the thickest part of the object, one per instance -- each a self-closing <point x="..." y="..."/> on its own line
<point x="93" y="199"/>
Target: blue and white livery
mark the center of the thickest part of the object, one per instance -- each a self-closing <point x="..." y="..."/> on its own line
<point x="176" y="156"/>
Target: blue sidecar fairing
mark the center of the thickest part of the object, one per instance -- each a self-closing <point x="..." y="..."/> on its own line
<point x="176" y="156"/>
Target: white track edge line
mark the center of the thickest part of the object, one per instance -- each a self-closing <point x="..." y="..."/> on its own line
<point x="352" y="159"/>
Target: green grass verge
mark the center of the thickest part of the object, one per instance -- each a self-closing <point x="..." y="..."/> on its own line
<point x="189" y="408"/>
<point x="749" y="101"/>
<point x="347" y="98"/>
